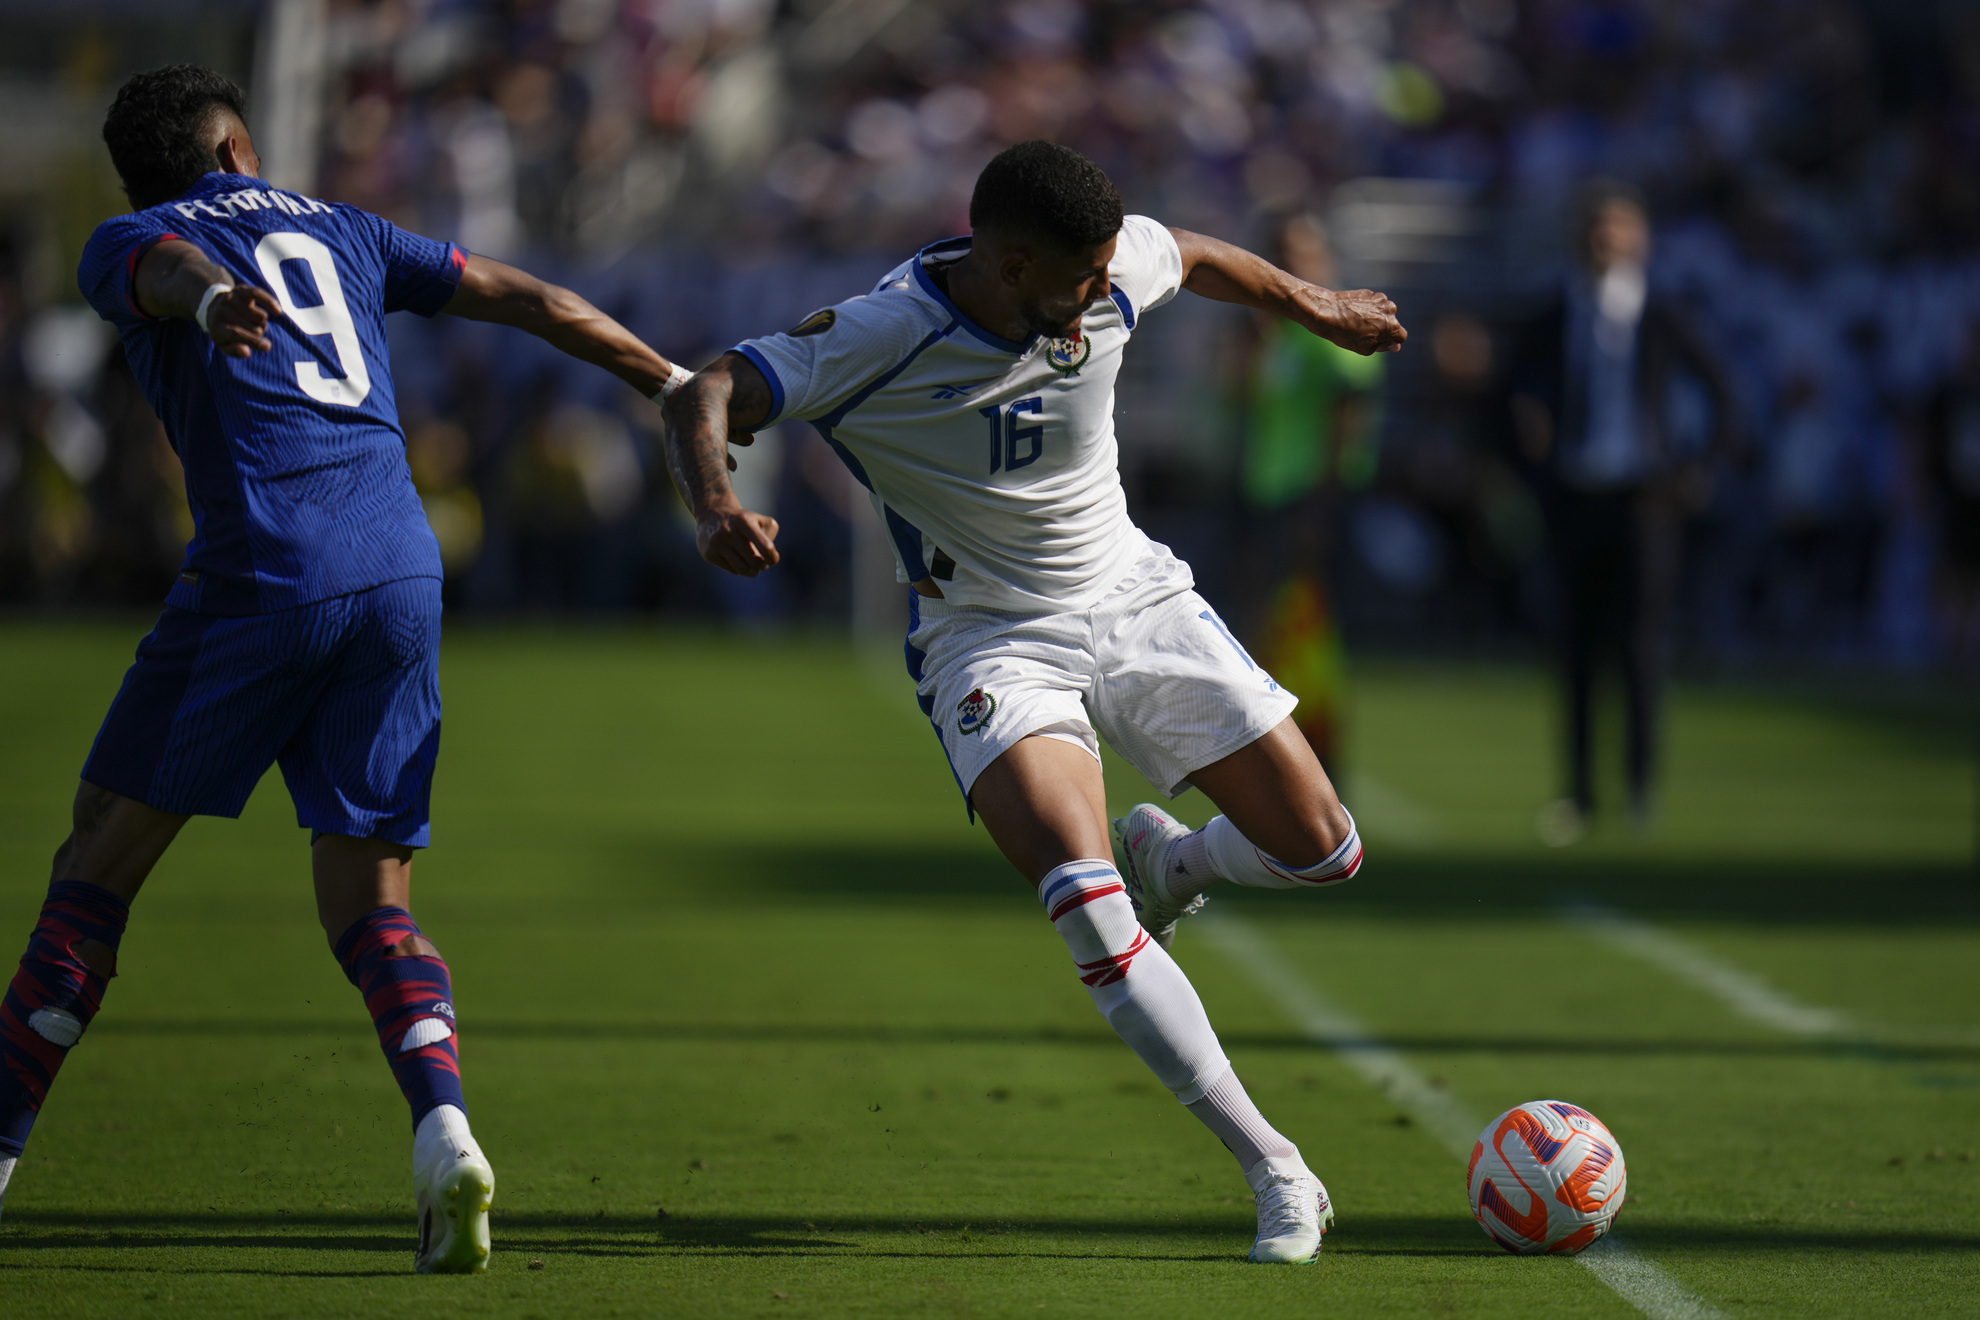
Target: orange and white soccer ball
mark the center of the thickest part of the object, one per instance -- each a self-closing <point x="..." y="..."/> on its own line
<point x="1546" y="1176"/>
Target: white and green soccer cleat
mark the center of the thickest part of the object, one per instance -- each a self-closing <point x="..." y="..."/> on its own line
<point x="454" y="1185"/>
<point x="1293" y="1212"/>
<point x="1146" y="833"/>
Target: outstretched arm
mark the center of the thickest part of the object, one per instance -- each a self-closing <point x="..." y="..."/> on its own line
<point x="491" y="291"/>
<point x="173" y="278"/>
<point x="725" y="399"/>
<point x="1362" y="320"/>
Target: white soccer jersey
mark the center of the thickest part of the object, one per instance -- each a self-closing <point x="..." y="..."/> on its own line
<point x="992" y="461"/>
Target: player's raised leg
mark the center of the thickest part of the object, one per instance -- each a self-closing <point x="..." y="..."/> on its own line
<point x="363" y="891"/>
<point x="113" y="843"/>
<point x="1283" y="827"/>
<point x="1044" y="804"/>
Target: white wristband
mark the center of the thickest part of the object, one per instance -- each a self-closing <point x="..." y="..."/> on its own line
<point x="206" y="304"/>
<point x="681" y="376"/>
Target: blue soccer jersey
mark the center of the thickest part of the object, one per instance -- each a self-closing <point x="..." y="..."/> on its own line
<point x="295" y="460"/>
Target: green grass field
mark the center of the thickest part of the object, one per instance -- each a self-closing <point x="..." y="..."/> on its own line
<point x="755" y="1025"/>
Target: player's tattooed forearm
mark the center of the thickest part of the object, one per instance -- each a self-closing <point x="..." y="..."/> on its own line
<point x="697" y="438"/>
<point x="718" y="403"/>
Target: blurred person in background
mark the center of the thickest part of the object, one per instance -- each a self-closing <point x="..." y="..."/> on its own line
<point x="303" y="628"/>
<point x="1590" y="383"/>
<point x="1312" y="423"/>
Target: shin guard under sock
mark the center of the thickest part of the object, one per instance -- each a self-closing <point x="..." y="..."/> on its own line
<point x="1133" y="981"/>
<point x="410" y="997"/>
<point x="70" y="958"/>
<point x="1219" y="852"/>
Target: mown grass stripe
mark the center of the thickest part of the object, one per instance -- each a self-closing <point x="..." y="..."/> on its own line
<point x="1627" y="1272"/>
<point x="1745" y="993"/>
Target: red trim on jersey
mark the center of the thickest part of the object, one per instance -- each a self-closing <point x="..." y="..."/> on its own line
<point x="131" y="260"/>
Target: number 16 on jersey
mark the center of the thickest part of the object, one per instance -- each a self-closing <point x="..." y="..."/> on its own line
<point x="1006" y="435"/>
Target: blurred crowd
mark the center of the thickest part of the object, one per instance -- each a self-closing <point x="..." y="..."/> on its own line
<point x="707" y="169"/>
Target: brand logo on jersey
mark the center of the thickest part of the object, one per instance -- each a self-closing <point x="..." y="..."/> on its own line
<point x="1067" y="356"/>
<point x="976" y="710"/>
<point x="816" y="324"/>
<point x="962" y="389"/>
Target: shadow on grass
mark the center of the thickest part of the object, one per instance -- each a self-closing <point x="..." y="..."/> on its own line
<point x="1035" y="1238"/>
<point x="1796" y="892"/>
<point x="748" y="1033"/>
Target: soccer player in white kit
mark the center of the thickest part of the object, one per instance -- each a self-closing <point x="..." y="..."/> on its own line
<point x="972" y="393"/>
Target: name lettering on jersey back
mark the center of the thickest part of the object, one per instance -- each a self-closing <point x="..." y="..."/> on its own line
<point x="227" y="206"/>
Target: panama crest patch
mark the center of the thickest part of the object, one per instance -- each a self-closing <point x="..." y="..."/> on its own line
<point x="1067" y="356"/>
<point x="975" y="710"/>
<point x="816" y="324"/>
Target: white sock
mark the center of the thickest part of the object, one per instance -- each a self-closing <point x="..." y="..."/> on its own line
<point x="6" y="1173"/>
<point x="1217" y="852"/>
<point x="443" y="1131"/>
<point x="1134" y="983"/>
<point x="1228" y="1112"/>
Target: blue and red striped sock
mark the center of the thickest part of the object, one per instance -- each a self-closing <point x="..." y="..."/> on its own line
<point x="411" y="999"/>
<point x="70" y="958"/>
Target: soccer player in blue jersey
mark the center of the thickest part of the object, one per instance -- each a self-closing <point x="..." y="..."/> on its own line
<point x="303" y="629"/>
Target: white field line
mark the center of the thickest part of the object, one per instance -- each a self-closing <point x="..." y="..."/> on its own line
<point x="1628" y="1273"/>
<point x="1744" y="992"/>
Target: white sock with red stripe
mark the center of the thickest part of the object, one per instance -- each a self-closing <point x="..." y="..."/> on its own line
<point x="1217" y="853"/>
<point x="1134" y="982"/>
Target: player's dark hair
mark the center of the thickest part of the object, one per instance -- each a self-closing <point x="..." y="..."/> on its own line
<point x="156" y="130"/>
<point x="1047" y="190"/>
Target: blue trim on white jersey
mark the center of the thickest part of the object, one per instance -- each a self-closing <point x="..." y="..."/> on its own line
<point x="1127" y="308"/>
<point x="907" y="542"/>
<point x="916" y="658"/>
<point x="824" y="424"/>
<point x="762" y="364"/>
<point x="934" y="290"/>
<point x="853" y="465"/>
<point x="880" y="382"/>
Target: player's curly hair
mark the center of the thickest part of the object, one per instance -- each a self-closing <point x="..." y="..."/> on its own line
<point x="1048" y="190"/>
<point x="156" y="130"/>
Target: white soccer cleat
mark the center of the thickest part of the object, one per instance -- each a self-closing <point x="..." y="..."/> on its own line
<point x="1146" y="834"/>
<point x="454" y="1184"/>
<point x="1293" y="1212"/>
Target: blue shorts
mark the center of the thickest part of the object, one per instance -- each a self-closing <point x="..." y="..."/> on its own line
<point x="344" y="693"/>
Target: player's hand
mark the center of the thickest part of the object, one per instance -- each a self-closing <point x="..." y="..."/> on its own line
<point x="1362" y="320"/>
<point x="238" y="320"/>
<point x="736" y="540"/>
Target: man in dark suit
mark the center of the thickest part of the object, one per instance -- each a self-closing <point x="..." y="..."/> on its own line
<point x="1590" y="383"/>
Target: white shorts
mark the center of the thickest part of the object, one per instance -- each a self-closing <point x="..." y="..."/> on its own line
<point x="1151" y="669"/>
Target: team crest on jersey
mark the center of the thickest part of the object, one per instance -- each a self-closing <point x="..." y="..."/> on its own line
<point x="1067" y="356"/>
<point x="976" y="710"/>
<point x="816" y="324"/>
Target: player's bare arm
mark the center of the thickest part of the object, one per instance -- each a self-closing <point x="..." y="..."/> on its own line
<point x="492" y="291"/>
<point x="1361" y="319"/>
<point x="721" y="406"/>
<point x="173" y="279"/>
